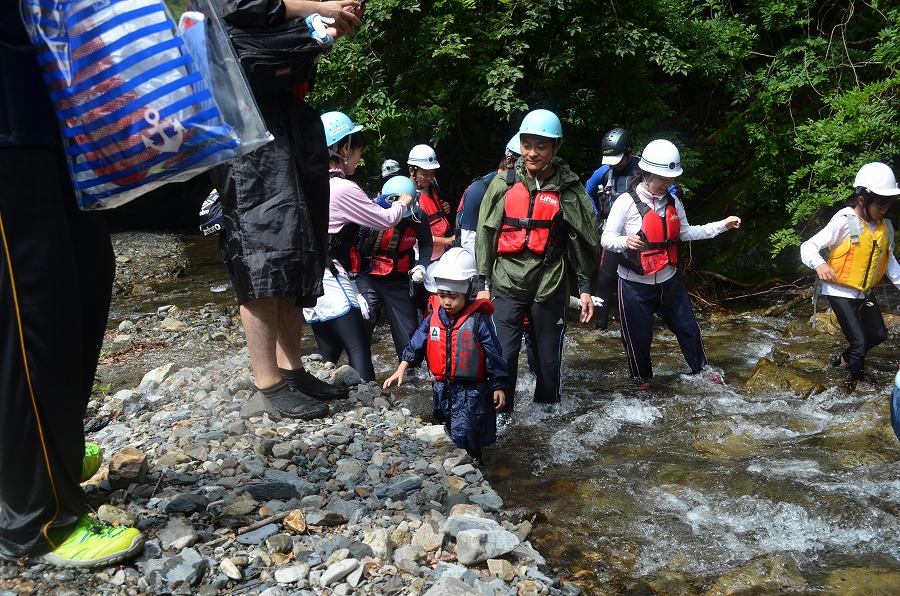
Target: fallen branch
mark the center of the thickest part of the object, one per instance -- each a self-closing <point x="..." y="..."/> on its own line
<point x="263" y="522"/>
<point x="782" y="308"/>
<point x="727" y="280"/>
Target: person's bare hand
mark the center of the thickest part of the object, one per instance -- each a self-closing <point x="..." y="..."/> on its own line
<point x="826" y="273"/>
<point x="339" y="10"/>
<point x="587" y="308"/>
<point x="634" y="242"/>
<point x="483" y="295"/>
<point x="397" y="376"/>
<point x="732" y="222"/>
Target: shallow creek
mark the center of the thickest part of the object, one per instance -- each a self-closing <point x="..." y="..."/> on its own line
<point x="694" y="487"/>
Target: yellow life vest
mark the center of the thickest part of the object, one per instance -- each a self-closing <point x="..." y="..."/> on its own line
<point x="861" y="260"/>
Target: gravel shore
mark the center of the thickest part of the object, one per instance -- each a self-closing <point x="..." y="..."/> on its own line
<point x="233" y="499"/>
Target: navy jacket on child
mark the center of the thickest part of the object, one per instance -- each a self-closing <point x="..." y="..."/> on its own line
<point x="464" y="358"/>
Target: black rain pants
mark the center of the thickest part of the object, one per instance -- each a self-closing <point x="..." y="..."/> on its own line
<point x="56" y="275"/>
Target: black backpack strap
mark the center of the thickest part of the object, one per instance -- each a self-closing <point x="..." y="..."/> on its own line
<point x="511" y="177"/>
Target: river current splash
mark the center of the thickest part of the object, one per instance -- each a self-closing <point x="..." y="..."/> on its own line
<point x="694" y="487"/>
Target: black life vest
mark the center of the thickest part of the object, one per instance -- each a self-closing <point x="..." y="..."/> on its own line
<point x="343" y="247"/>
<point x="660" y="235"/>
<point x="615" y="184"/>
<point x="532" y="220"/>
<point x="454" y="353"/>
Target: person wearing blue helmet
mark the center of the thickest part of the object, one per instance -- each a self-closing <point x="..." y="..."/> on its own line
<point x="537" y="238"/>
<point x="390" y="268"/>
<point x="470" y="203"/>
<point x="338" y="318"/>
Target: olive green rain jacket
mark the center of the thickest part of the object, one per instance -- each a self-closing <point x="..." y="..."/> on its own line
<point x="522" y="275"/>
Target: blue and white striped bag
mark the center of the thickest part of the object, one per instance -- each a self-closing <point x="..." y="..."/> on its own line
<point x="135" y="95"/>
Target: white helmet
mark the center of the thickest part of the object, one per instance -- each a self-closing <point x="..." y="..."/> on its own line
<point x="455" y="272"/>
<point x="514" y="147"/>
<point x="662" y="158"/>
<point x="389" y="168"/>
<point x="877" y="178"/>
<point x="423" y="156"/>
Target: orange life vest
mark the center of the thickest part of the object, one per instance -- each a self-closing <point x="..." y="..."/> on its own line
<point x="454" y="353"/>
<point x="660" y="235"/>
<point x="393" y="252"/>
<point x="432" y="207"/>
<point x="531" y="221"/>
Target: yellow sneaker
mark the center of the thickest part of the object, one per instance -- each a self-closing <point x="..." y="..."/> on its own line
<point x="94" y="544"/>
<point x="93" y="457"/>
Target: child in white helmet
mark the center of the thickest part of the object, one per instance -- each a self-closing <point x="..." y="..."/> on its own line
<point x="458" y="340"/>
<point x="860" y="242"/>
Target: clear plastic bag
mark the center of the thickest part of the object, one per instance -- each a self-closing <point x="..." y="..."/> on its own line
<point x="141" y="102"/>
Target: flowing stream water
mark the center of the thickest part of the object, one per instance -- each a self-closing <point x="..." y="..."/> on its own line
<point x="695" y="487"/>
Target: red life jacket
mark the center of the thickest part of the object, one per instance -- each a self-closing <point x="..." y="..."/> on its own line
<point x="660" y="234"/>
<point x="455" y="354"/>
<point x="393" y="252"/>
<point x="530" y="221"/>
<point x="432" y="207"/>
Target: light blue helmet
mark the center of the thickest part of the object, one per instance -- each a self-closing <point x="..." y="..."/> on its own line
<point x="338" y="126"/>
<point x="397" y="185"/>
<point x="513" y="148"/>
<point x="393" y="188"/>
<point x="542" y="123"/>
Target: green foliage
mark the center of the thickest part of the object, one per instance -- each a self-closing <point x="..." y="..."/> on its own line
<point x="778" y="102"/>
<point x="840" y="93"/>
<point x="176" y="7"/>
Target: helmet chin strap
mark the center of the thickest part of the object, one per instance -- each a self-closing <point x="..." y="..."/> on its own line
<point x="346" y="160"/>
<point x="537" y="181"/>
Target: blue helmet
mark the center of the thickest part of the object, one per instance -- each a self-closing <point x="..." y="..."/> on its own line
<point x="542" y="123"/>
<point x="397" y="185"/>
<point x="393" y="188"/>
<point x="338" y="126"/>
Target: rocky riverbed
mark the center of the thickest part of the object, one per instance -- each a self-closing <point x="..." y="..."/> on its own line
<point x="233" y="499"/>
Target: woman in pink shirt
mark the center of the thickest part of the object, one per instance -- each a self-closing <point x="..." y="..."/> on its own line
<point x="337" y="317"/>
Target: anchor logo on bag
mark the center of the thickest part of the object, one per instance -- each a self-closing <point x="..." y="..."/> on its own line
<point x="170" y="144"/>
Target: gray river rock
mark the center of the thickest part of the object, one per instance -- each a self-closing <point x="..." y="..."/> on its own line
<point x="782" y="481"/>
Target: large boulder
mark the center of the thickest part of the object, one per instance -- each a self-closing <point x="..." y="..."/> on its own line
<point x="768" y="378"/>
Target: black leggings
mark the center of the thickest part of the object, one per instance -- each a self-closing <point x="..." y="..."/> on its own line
<point x="346" y="333"/>
<point x="863" y="326"/>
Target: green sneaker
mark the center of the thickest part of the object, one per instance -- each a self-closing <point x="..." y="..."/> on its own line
<point x="94" y="544"/>
<point x="93" y="456"/>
